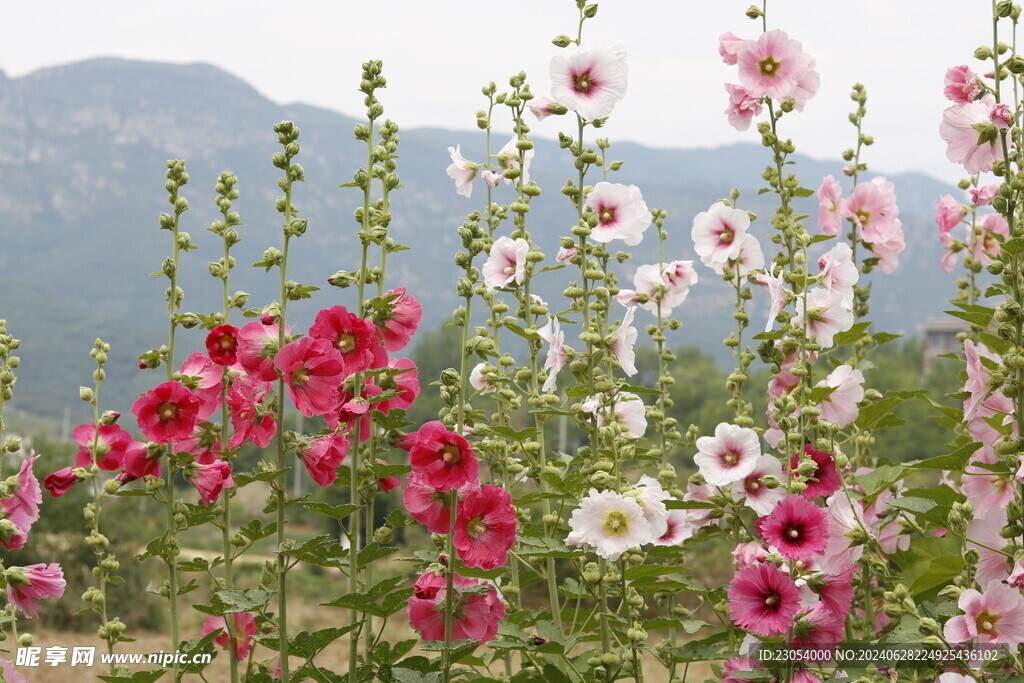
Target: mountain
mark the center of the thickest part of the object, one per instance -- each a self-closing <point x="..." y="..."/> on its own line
<point x="83" y="163"/>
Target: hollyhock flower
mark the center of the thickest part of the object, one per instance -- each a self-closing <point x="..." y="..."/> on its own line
<point x="557" y="356"/>
<point x="444" y="459"/>
<point x="506" y="262"/>
<point x="480" y="382"/>
<point x="729" y="47"/>
<point x="807" y="84"/>
<point x="772" y="65"/>
<point x="763" y="599"/>
<point x="995" y="616"/>
<point x="541" y="107"/>
<point x="313" y="370"/>
<point x="113" y="444"/>
<point x="841" y="405"/>
<point x="836" y="592"/>
<point x="58" y="483"/>
<point x="797" y="527"/>
<point x="591" y="79"/>
<point x="429" y="506"/>
<point x="475" y="616"/>
<point x="628" y="409"/>
<point x="354" y="413"/>
<point x="819" y="627"/>
<point x="839" y="273"/>
<point x="651" y="496"/>
<point x="826" y="315"/>
<point x="747" y="258"/>
<point x="353" y="337"/>
<point x="983" y="534"/>
<point x="888" y="251"/>
<point x="843" y="521"/>
<point x="699" y="518"/>
<point x="986" y="246"/>
<point x="388" y="484"/>
<point x="1017" y="575"/>
<point x="491" y="178"/>
<point x="744" y="664"/>
<point x="754" y="492"/>
<point x="610" y="523"/>
<point x="167" y="413"/>
<point x="746" y="554"/>
<point x="508" y="157"/>
<point x="779" y="296"/>
<point x="257" y="344"/>
<point x="983" y="196"/>
<point x="398" y="322"/>
<point x="406" y="383"/>
<point x="872" y="206"/>
<point x="250" y="419"/>
<point x="950" y="677"/>
<point x="243" y="628"/>
<point x="222" y="345"/>
<point x="1000" y="116"/>
<point x="11" y="673"/>
<point x="565" y="255"/>
<point x="485" y="527"/>
<point x="621" y="213"/>
<point x="978" y="383"/>
<point x="831" y="206"/>
<point x="205" y="380"/>
<point x="949" y="213"/>
<point x="982" y="484"/>
<point x="25" y="585"/>
<point x="962" y="85"/>
<point x="977" y="151"/>
<point x="742" y="106"/>
<point x="717" y="234"/>
<point x="825" y="480"/>
<point x="140" y="462"/>
<point x="210" y="479"/>
<point x="677" y="529"/>
<point x="729" y="456"/>
<point x="623" y="339"/>
<point x="324" y="456"/>
<point x="462" y="171"/>
<point x="671" y="282"/>
<point x="21" y="507"/>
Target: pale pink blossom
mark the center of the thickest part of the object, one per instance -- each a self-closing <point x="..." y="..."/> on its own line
<point x="839" y="273"/>
<point x="826" y="315"/>
<point x="841" y="405"/>
<point x="983" y="196"/>
<point x="962" y="85"/>
<point x="950" y="212"/>
<point x="746" y="260"/>
<point x="983" y="535"/>
<point x="872" y="206"/>
<point x="491" y="178"/>
<point x="979" y="483"/>
<point x="479" y="381"/>
<point x="888" y="250"/>
<point x="772" y="65"/>
<point x="728" y="47"/>
<point x="610" y="523"/>
<point x="541" y="107"/>
<point x="995" y="616"/>
<point x="753" y="490"/>
<point x="621" y="213"/>
<point x="844" y="518"/>
<point x="987" y="244"/>
<point x="807" y="84"/>
<point x="671" y="282"/>
<point x="831" y="206"/>
<point x="717" y="234"/>
<point x="778" y="293"/>
<point x="623" y="339"/>
<point x="462" y="171"/>
<point x="964" y="144"/>
<point x="591" y="79"/>
<point x="508" y="157"/>
<point x="564" y="254"/>
<point x="557" y="356"/>
<point x="506" y="262"/>
<point x="1000" y="116"/>
<point x="742" y="107"/>
<point x="729" y="456"/>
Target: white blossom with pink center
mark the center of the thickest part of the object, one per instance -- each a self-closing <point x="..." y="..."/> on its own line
<point x="623" y="339"/>
<point x="591" y="79"/>
<point x="841" y="405"/>
<point x="557" y="356"/>
<point x="506" y="262"/>
<point x="508" y="157"/>
<point x="717" y="234"/>
<point x="729" y="456"/>
<point x="462" y="171"/>
<point x="621" y="213"/>
<point x="753" y="490"/>
<point x="826" y="316"/>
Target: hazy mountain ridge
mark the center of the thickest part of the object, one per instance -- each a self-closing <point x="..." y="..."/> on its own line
<point x="83" y="162"/>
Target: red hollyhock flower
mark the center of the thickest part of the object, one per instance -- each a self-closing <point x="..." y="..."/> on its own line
<point x="114" y="444"/>
<point x="763" y="599"/>
<point x="139" y="463"/>
<point x="222" y="345"/>
<point x="485" y="527"/>
<point x="797" y="527"/>
<point x="354" y="338"/>
<point x="443" y="458"/>
<point x="323" y="457"/>
<point x="406" y="383"/>
<point x="397" y="325"/>
<point x="427" y="505"/>
<point x="60" y="482"/>
<point x="476" y="615"/>
<point x="210" y="479"/>
<point x="351" y="411"/>
<point x="825" y="481"/>
<point x="243" y="628"/>
<point x="312" y="369"/>
<point x="167" y="413"/>
<point x="256" y="345"/>
<point x="205" y="380"/>
<point x="387" y="484"/>
<point x="251" y="420"/>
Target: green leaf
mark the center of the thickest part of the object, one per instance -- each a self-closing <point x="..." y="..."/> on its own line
<point x="803" y="192"/>
<point x="235" y="601"/>
<point x="951" y="462"/>
<point x="305" y="644"/>
<point x="930" y="563"/>
<point x="136" y="676"/>
<point x="1014" y="247"/>
<point x="333" y="511"/>
<point x="973" y="317"/>
<point x="509" y="433"/>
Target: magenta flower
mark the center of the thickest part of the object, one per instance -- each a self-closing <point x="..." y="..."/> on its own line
<point x="111" y="448"/>
<point x="58" y="483"/>
<point x="836" y="592"/>
<point x="313" y="370"/>
<point x="977" y="151"/>
<point x="21" y="507"/>
<point x="251" y="419"/>
<point x="406" y="384"/>
<point x="243" y="628"/>
<point x="742" y="107"/>
<point x="485" y="527"/>
<point x="462" y="171"/>
<point x="796" y="527"/>
<point x="427" y="505"/>
<point x="205" y="380"/>
<point x="443" y="458"/>
<point x="995" y="616"/>
<point x="210" y="479"/>
<point x="831" y="206"/>
<point x="825" y="480"/>
<point x="354" y="338"/>
<point x="167" y="413"/>
<point x="222" y="345"/>
<point x="506" y="262"/>
<point x="476" y="614"/>
<point x="962" y="85"/>
<point x="742" y="664"/>
<point x="398" y="324"/>
<point x="621" y="213"/>
<point x="763" y="599"/>
<point x="591" y="79"/>
<point x="324" y="456"/>
<point x="257" y="343"/>
<point x="25" y="585"/>
<point x="772" y="66"/>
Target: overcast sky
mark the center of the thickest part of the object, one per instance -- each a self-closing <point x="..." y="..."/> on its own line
<point x="438" y="53"/>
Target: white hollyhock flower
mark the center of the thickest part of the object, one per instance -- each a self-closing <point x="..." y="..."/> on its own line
<point x="479" y="381"/>
<point x="623" y="339"/>
<point x="717" y="234"/>
<point x="652" y="497"/>
<point x="462" y="171"/>
<point x="839" y="273"/>
<point x="557" y="356"/>
<point x="508" y="157"/>
<point x="729" y="456"/>
<point x="630" y="409"/>
<point x="753" y="491"/>
<point x="506" y="262"/>
<point x="827" y="316"/>
<point x="610" y="523"/>
<point x="621" y="213"/>
<point x="591" y="79"/>
<point x="777" y="291"/>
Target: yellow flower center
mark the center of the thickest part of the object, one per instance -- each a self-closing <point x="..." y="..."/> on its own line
<point x="451" y="454"/>
<point x="476" y="527"/>
<point x="616" y="523"/>
<point x="769" y="66"/>
<point x="167" y="411"/>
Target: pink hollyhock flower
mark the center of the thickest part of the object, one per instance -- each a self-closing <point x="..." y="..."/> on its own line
<point x="210" y="479"/>
<point x="982" y="484"/>
<point x="983" y="196"/>
<point x="1000" y="116"/>
<point x="557" y="356"/>
<point x="243" y="628"/>
<point x="113" y="444"/>
<point x="485" y="527"/>
<point x="888" y="251"/>
<point x="397" y="324"/>
<point x="58" y="483"/>
<point x="479" y="381"/>
<point x="841" y="551"/>
<point x="354" y="413"/>
<point x="591" y="79"/>
<point x="677" y="529"/>
<point x="476" y="615"/>
<point x="825" y="480"/>
<point x="628" y="409"/>
<point x="806" y="84"/>
<point x="950" y="677"/>
<point x="779" y="296"/>
<point x="541" y="107"/>
<point x="387" y="484"/>
<point x="995" y="616"/>
<point x="753" y="490"/>
<point x="621" y="213"/>
<point x="841" y="405"/>
<point x="743" y="664"/>
<point x="772" y="65"/>
<point x="406" y="383"/>
<point x="222" y="345"/>
<point x="729" y="456"/>
<point x="506" y="262"/>
<point x="508" y="157"/>
<point x="983" y="533"/>
<point x="986" y="247"/>
<point x="826" y="315"/>
<point x="836" y="592"/>
<point x="251" y="420"/>
<point x="167" y="413"/>
<point x="839" y="273"/>
<point x="610" y="523"/>
<point x="324" y="456"/>
<point x="1017" y="575"/>
<point x="10" y="673"/>
<point x="427" y="505"/>
<point x="746" y="554"/>
<point x="491" y="178"/>
<point x="353" y="337"/>
<point x="205" y="380"/>
<point x="763" y="599"/>
<point x="443" y="458"/>
<point x="949" y="213"/>
<point x="257" y="344"/>
<point x="979" y="380"/>
<point x="21" y="507"/>
<point x="623" y="339"/>
<point x="313" y="370"/>
<point x="25" y="585"/>
<point x="831" y="206"/>
<point x="462" y="171"/>
<point x="139" y="463"/>
<point x="699" y="518"/>
<point x="667" y="286"/>
<point x="872" y="206"/>
<point x="729" y="47"/>
<point x="717" y="234"/>
<point x="818" y="628"/>
<point x="977" y="151"/>
<point x="962" y="85"/>
<point x="797" y="527"/>
<point x="742" y="106"/>
<point x="564" y="255"/>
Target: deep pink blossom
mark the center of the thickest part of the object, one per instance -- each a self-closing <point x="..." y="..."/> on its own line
<point x="313" y="370"/>
<point x="205" y="380"/>
<point x="324" y="456"/>
<point x="60" y="482"/>
<point x="251" y="419"/>
<point x="222" y="345"/>
<point x="485" y="527"/>
<point x="443" y="458"/>
<point x="476" y="614"/>
<point x="257" y="344"/>
<point x="354" y="338"/>
<point x="796" y="527"/>
<point x="398" y="322"/>
<point x="243" y="628"/>
<point x="113" y="445"/>
<point x="25" y="585"/>
<point x="962" y="85"/>
<point x="210" y="479"/>
<point x="21" y="507"/>
<point x="763" y="599"/>
<point x="167" y="413"/>
<point x="825" y="480"/>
